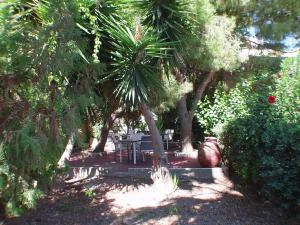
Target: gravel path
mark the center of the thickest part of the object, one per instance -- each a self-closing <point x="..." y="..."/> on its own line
<point x="129" y="201"/>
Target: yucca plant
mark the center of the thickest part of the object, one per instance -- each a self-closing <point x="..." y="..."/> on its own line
<point x="169" y="18"/>
<point x="135" y="64"/>
<point x="172" y="20"/>
<point x="136" y="70"/>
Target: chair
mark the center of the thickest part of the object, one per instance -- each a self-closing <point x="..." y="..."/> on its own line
<point x="115" y="145"/>
<point x="168" y="136"/>
<point x="138" y="137"/>
<point x="146" y="145"/>
<point x="122" y="146"/>
<point x="111" y="142"/>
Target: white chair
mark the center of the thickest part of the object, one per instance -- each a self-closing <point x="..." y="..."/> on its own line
<point x="111" y="142"/>
<point x="121" y="146"/>
<point x="168" y="136"/>
<point x="138" y="137"/>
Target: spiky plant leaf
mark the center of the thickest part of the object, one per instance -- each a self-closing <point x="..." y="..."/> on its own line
<point x="169" y="18"/>
<point x="134" y="63"/>
<point x="29" y="197"/>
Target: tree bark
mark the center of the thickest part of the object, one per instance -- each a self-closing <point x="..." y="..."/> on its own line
<point x="186" y="116"/>
<point x="160" y="173"/>
<point x="186" y="122"/>
<point x="105" y="129"/>
<point x="104" y="134"/>
<point x="87" y="130"/>
<point x="201" y="89"/>
<point x="68" y="151"/>
<point x="53" y="128"/>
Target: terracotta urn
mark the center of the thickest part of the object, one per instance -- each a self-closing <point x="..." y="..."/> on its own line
<point x="209" y="154"/>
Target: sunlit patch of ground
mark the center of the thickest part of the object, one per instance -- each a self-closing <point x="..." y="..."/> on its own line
<point x="135" y="197"/>
<point x="131" y="199"/>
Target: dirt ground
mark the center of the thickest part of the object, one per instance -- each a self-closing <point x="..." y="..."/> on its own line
<point x="129" y="201"/>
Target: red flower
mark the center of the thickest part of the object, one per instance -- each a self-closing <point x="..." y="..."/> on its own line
<point x="271" y="99"/>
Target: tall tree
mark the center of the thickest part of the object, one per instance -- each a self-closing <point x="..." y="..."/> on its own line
<point x="215" y="47"/>
<point x="45" y="51"/>
<point x="138" y="76"/>
<point x="172" y="22"/>
<point x="209" y="31"/>
<point x="275" y="23"/>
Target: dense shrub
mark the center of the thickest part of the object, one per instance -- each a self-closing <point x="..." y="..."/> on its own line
<point x="46" y="71"/>
<point x="26" y="166"/>
<point x="258" y="124"/>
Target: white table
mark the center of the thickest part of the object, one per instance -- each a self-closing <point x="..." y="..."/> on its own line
<point x="133" y="143"/>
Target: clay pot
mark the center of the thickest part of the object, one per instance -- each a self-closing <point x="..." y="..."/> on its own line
<point x="209" y="154"/>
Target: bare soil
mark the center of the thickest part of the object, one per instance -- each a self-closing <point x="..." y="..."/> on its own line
<point x="129" y="201"/>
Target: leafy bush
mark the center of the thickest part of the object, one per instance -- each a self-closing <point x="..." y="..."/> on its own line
<point x="44" y="95"/>
<point x="258" y="124"/>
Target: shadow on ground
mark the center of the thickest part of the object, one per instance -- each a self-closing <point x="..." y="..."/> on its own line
<point x="195" y="202"/>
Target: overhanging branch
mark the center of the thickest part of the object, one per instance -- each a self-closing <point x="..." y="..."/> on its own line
<point x="200" y="90"/>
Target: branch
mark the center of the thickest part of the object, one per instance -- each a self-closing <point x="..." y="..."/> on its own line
<point x="117" y="113"/>
<point x="180" y="78"/>
<point x="263" y="46"/>
<point x="200" y="90"/>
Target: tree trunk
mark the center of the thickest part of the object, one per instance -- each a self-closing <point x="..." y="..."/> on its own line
<point x="106" y="127"/>
<point x="160" y="173"/>
<point x="186" y="122"/>
<point x="68" y="151"/>
<point x="53" y="128"/>
<point x="186" y="116"/>
<point x="53" y="125"/>
<point x="87" y="130"/>
<point x="104" y="134"/>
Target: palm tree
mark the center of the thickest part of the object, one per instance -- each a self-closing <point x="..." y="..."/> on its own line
<point x="136" y="70"/>
<point x="171" y="20"/>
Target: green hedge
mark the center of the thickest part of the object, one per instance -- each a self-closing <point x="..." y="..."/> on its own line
<point x="258" y="124"/>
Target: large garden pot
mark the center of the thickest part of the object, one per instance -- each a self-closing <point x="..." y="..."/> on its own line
<point x="209" y="154"/>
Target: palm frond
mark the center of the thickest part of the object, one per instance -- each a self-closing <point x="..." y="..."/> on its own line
<point x="134" y="63"/>
<point x="169" y="18"/>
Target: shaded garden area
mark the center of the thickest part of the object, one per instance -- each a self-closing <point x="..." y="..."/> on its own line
<point x="149" y="112"/>
<point x="126" y="201"/>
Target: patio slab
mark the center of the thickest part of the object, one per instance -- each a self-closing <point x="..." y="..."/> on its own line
<point x="111" y="159"/>
<point x="182" y="173"/>
<point x="88" y="165"/>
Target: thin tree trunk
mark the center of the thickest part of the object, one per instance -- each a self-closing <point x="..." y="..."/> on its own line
<point x="105" y="129"/>
<point x="201" y="89"/>
<point x="186" y="116"/>
<point x="53" y="128"/>
<point x="160" y="173"/>
<point x="186" y="122"/>
<point x="53" y="125"/>
<point x="104" y="134"/>
<point x="68" y="151"/>
<point x="87" y="130"/>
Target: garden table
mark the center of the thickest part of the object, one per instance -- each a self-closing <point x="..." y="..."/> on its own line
<point x="132" y="143"/>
